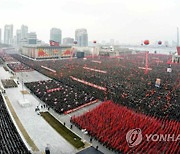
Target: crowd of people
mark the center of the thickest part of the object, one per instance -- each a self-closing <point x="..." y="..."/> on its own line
<point x="10" y="141"/>
<point x="8" y="83"/>
<point x="135" y="99"/>
<point x="6" y="57"/>
<point x="59" y="96"/>
<point x="18" y="67"/>
<point x="109" y="123"/>
<point x="126" y="83"/>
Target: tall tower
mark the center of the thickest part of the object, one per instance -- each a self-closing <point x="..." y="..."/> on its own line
<point x="18" y="36"/>
<point x="56" y="35"/>
<point x="81" y="36"/>
<point x="177" y="36"/>
<point x="32" y="38"/>
<point x="178" y="47"/>
<point x="8" y="34"/>
<point x="0" y="36"/>
<point x="68" y="41"/>
<point x="24" y="32"/>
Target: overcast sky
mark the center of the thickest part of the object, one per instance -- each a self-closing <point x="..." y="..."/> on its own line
<point x="128" y="21"/>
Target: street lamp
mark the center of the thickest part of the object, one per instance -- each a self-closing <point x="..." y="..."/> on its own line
<point x="146" y="42"/>
<point x="94" y="48"/>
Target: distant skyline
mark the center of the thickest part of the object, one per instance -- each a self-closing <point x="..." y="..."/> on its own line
<point x="126" y="21"/>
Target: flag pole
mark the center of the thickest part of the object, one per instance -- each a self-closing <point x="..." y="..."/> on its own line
<point x="147" y="65"/>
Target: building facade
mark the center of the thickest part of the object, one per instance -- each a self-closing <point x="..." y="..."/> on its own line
<point x="68" y="41"/>
<point x="8" y="34"/>
<point x="24" y="32"/>
<point x="81" y="36"/>
<point x="32" y="38"/>
<point x="56" y="35"/>
<point x="44" y="52"/>
<point x="18" y="36"/>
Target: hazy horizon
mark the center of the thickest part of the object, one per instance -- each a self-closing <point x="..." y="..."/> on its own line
<point x="129" y="21"/>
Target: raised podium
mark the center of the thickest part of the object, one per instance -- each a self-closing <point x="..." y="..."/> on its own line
<point x="24" y="103"/>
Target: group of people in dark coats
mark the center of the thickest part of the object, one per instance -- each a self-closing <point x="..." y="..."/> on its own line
<point x="125" y="81"/>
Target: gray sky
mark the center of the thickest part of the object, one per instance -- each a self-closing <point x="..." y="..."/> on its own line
<point x="128" y="21"/>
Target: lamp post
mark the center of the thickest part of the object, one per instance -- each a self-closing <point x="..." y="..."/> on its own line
<point x="94" y="48"/>
<point x="159" y="43"/>
<point x="146" y="42"/>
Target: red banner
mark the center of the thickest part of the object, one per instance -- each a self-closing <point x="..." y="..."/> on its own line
<point x="89" y="84"/>
<point x="80" y="107"/>
<point x="54" y="43"/>
<point x="178" y="50"/>
<point x="53" y="90"/>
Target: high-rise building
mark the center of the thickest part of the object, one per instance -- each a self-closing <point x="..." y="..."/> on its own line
<point x="103" y="42"/>
<point x="32" y="38"/>
<point x="111" y="42"/>
<point x="68" y="41"/>
<point x="56" y="35"/>
<point x="18" y="36"/>
<point x="117" y="42"/>
<point x="24" y="32"/>
<point x="14" y="42"/>
<point x="81" y="37"/>
<point x="8" y="34"/>
<point x="166" y="43"/>
<point x="174" y="43"/>
<point x="0" y="36"/>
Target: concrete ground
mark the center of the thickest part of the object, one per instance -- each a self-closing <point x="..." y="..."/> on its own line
<point x="66" y="119"/>
<point x="37" y="128"/>
<point x="31" y="76"/>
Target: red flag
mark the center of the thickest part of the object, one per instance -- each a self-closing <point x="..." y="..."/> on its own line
<point x="178" y="50"/>
<point x="54" y="43"/>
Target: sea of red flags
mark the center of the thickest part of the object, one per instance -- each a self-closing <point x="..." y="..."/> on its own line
<point x="109" y="124"/>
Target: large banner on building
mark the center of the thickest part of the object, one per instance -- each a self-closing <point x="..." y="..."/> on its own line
<point x="67" y="53"/>
<point x="54" y="43"/>
<point x="48" y="52"/>
<point x="42" y="53"/>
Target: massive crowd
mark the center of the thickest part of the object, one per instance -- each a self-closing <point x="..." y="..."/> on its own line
<point x="59" y="96"/>
<point x="8" y="83"/>
<point x="109" y="123"/>
<point x="126" y="83"/>
<point x="18" y="67"/>
<point x="10" y="141"/>
<point x="6" y="57"/>
<point x="135" y="100"/>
